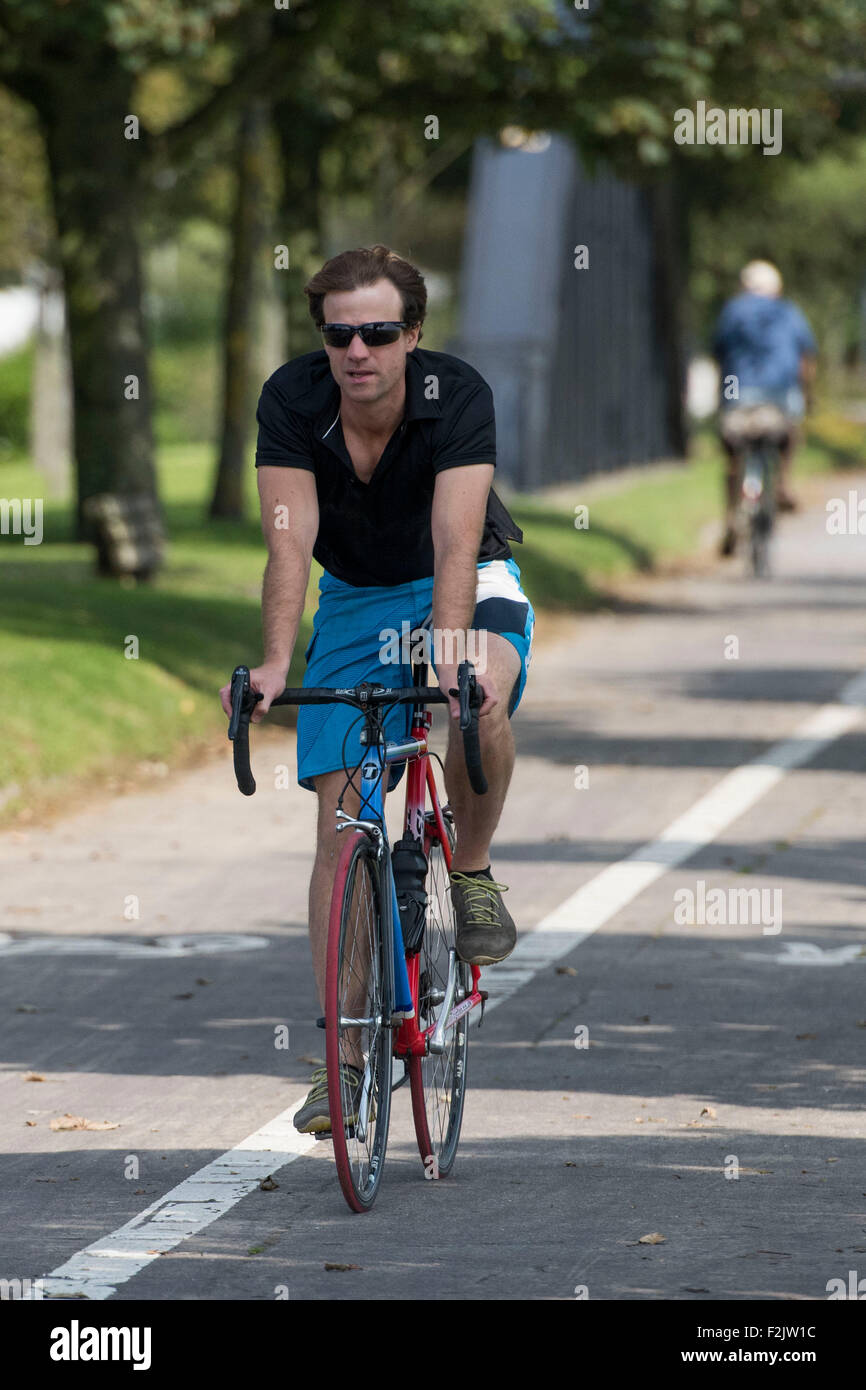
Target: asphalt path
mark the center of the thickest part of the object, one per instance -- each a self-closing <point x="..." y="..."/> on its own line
<point x="717" y="1101"/>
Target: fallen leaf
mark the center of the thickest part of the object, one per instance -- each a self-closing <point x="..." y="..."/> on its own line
<point x="190" y="995"/>
<point x="26" y="1009"/>
<point x="570" y="1163"/>
<point x="565" y="970"/>
<point x="575" y="1116"/>
<point x="638" y="1119"/>
<point x="654" y="1238"/>
<point x="708" y="1110"/>
<point x="644" y="1018"/>
<point x="139" y="1192"/>
<point x="31" y="1124"/>
<point x="657" y="1119"/>
<point x="268" y="1185"/>
<point x="68" y="1121"/>
<point x="204" y="982"/>
<point x="802" y="1037"/>
<point x="33" y="1076"/>
<point x="313" y="1061"/>
<point x="861" y="1023"/>
<point x="831" y="1160"/>
<point x="332" y="1264"/>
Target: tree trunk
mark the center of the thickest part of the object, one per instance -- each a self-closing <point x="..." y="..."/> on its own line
<point x="669" y="219"/>
<point x="301" y="138"/>
<point x="240" y="312"/>
<point x="94" y="176"/>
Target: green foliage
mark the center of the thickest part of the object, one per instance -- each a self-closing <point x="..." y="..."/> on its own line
<point x="810" y="221"/>
<point x="186" y="379"/>
<point x="16" y="370"/>
<point x="185" y="279"/>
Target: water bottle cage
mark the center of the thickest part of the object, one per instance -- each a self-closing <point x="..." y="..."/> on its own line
<point x="410" y="875"/>
<point x="413" y="920"/>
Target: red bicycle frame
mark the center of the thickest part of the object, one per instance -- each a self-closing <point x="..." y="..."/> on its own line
<point x="410" y="1039"/>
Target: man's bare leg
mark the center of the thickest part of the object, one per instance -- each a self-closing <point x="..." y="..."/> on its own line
<point x="786" y="499"/>
<point x="733" y="484"/>
<point x="476" y="817"/>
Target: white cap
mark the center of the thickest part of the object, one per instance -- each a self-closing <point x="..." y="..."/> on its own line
<point x="761" y="277"/>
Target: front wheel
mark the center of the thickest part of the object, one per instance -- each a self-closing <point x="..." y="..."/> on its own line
<point x="439" y="1082"/>
<point x="358" y="994"/>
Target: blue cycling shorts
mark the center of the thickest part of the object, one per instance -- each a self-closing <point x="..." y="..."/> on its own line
<point x="366" y="634"/>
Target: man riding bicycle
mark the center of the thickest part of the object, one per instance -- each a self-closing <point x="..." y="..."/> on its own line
<point x="376" y="457"/>
<point x="766" y="355"/>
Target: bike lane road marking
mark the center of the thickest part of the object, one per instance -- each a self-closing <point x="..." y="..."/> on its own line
<point x="201" y="1199"/>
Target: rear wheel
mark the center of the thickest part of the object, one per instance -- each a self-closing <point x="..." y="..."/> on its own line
<point x="358" y="995"/>
<point x="438" y="1082"/>
<point x="764" y="515"/>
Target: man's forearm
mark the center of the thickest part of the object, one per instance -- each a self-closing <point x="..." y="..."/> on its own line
<point x="284" y="591"/>
<point x="455" y="580"/>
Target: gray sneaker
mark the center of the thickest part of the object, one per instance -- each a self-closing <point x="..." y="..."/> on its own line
<point x="314" y="1116"/>
<point x="485" y="932"/>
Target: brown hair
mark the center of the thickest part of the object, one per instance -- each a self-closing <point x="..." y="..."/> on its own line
<point x="352" y="269"/>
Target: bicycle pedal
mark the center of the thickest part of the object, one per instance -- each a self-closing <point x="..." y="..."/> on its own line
<point x="322" y="1134"/>
<point x="320" y="1023"/>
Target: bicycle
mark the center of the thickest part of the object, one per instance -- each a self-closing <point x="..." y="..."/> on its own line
<point x="757" y="434"/>
<point x="395" y="988"/>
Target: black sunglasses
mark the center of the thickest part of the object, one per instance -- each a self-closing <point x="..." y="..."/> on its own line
<point x="340" y="335"/>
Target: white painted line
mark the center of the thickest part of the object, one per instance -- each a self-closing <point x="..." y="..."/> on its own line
<point x="808" y="953"/>
<point x="596" y="902"/>
<point x="195" y="1203"/>
<point x="191" y="1206"/>
<point x="160" y="948"/>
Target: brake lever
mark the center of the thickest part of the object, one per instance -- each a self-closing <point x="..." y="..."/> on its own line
<point x="243" y="698"/>
<point x="467" y="692"/>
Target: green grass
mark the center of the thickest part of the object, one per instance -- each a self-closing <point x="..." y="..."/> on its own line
<point x="81" y="708"/>
<point x="79" y="712"/>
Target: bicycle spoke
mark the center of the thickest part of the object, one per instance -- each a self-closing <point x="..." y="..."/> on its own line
<point x="358" y="1036"/>
<point x="439" y="1079"/>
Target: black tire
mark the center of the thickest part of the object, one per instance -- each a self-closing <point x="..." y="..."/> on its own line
<point x="359" y="985"/>
<point x="439" y="1082"/>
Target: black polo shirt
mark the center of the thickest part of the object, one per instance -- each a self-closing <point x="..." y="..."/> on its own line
<point x="379" y="532"/>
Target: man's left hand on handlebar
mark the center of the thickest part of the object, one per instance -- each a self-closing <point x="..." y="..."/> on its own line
<point x="269" y="680"/>
<point x="447" y="678"/>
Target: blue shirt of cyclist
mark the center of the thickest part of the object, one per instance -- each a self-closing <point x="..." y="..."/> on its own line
<point x="760" y="340"/>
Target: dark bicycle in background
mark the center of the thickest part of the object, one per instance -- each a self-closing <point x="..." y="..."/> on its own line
<point x="756" y="434"/>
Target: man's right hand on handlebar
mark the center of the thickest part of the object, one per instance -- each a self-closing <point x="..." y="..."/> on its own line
<point x="269" y="679"/>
